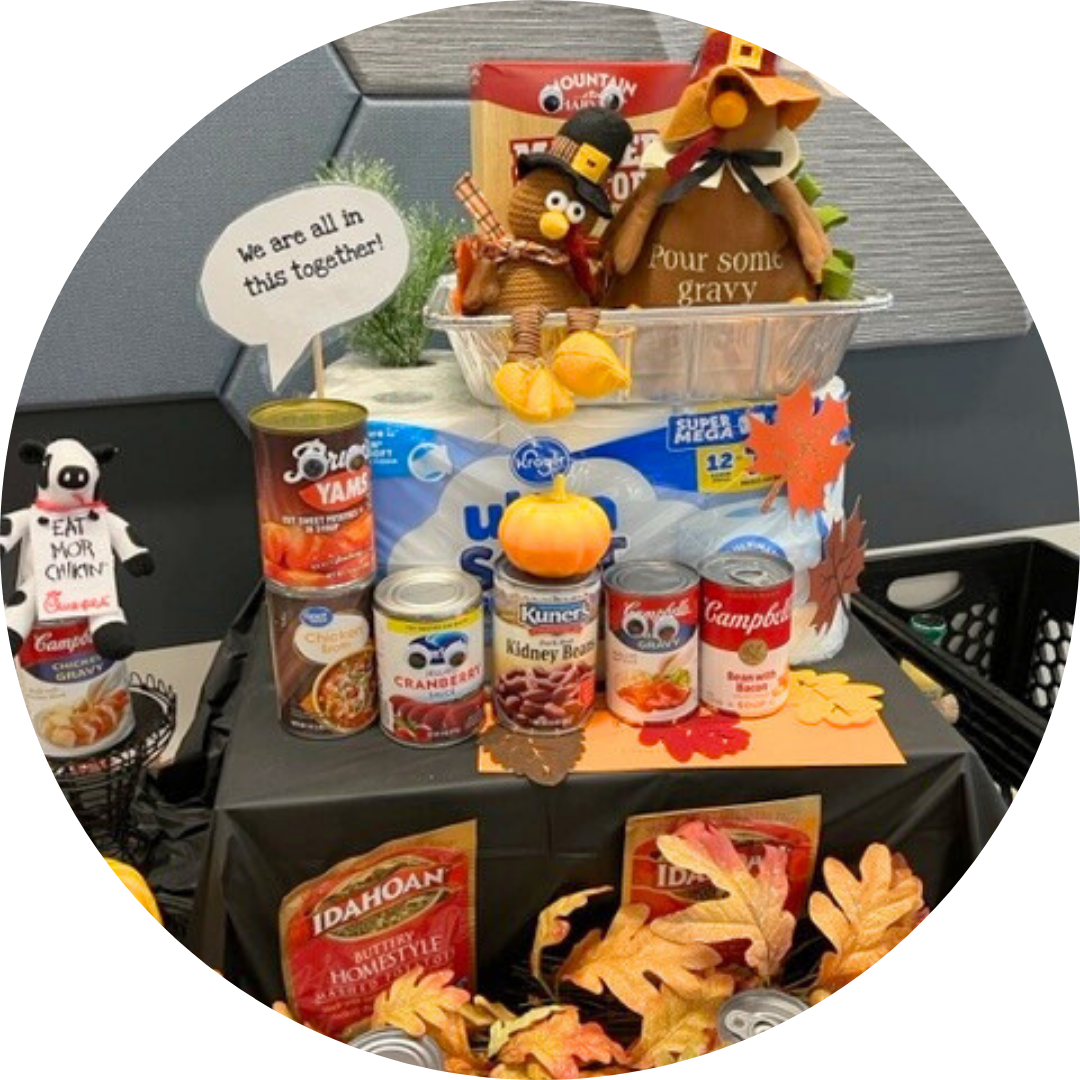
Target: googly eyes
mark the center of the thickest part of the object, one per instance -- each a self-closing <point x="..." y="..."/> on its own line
<point x="314" y="467"/>
<point x="575" y="213"/>
<point x="557" y="200"/>
<point x="551" y="98"/>
<point x="612" y="97"/>
<point x="666" y="628"/>
<point x="636" y="626"/>
<point x="355" y="459"/>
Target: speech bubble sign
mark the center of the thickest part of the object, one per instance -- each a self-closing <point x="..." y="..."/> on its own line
<point x="301" y="263"/>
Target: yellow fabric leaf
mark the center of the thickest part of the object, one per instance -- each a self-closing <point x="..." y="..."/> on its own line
<point x="832" y="698"/>
<point x="502" y="1030"/>
<point x="561" y="1043"/>
<point x="425" y="1004"/>
<point x="866" y="916"/>
<point x="482" y="1013"/>
<point x="552" y="926"/>
<point x="624" y="958"/>
<point x="750" y="907"/>
<point x="676" y="1028"/>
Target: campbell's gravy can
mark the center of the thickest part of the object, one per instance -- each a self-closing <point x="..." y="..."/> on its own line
<point x="651" y="640"/>
<point x="313" y="485"/>
<point x="323" y="651"/>
<point x="745" y="632"/>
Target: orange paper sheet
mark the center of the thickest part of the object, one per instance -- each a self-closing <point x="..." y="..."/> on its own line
<point x="781" y="741"/>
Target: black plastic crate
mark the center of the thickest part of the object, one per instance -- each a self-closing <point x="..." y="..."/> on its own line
<point x="1009" y="615"/>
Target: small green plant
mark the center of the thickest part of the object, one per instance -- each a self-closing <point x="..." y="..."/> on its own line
<point x="395" y="335"/>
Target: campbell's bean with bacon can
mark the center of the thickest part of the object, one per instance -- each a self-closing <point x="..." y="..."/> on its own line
<point x="313" y="483"/>
<point x="651" y="640"/>
<point x="745" y="632"/>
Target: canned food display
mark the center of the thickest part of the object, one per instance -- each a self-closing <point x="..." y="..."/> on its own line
<point x="398" y="1045"/>
<point x="429" y="630"/>
<point x="313" y="487"/>
<point x="745" y="633"/>
<point x="324" y="659"/>
<point x="752" y="1012"/>
<point x="77" y="699"/>
<point x="546" y="635"/>
<point x="651" y="641"/>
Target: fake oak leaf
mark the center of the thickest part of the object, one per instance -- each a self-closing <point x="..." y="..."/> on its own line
<point x="836" y="577"/>
<point x="552" y="927"/>
<point x="676" y="1028"/>
<point x="866" y="915"/>
<point x="425" y="1004"/>
<point x="832" y="698"/>
<point x="544" y="761"/>
<point x="751" y="906"/>
<point x="799" y="447"/>
<point x="624" y="958"/>
<point x="709" y="734"/>
<point x="561" y="1043"/>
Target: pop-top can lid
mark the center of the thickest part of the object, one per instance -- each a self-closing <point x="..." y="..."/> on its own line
<point x="650" y="577"/>
<point x="505" y="569"/>
<point x="398" y="1045"/>
<point x="427" y="593"/>
<point x="747" y="570"/>
<point x="752" y="1012"/>
<point x="306" y="416"/>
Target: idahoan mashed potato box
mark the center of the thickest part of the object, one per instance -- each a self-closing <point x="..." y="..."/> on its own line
<point x="517" y="106"/>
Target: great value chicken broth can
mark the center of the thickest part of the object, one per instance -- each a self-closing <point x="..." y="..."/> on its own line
<point x="324" y="660"/>
<point x="651" y="641"/>
<point x="429" y="626"/>
<point x="313" y="484"/>
<point x="546" y="634"/>
<point x="745" y="632"/>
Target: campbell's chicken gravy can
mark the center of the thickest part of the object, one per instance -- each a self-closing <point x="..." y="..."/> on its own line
<point x="313" y="485"/>
<point x="745" y="632"/>
<point x="651" y="640"/>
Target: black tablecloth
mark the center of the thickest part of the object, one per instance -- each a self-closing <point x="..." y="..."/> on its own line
<point x="287" y="809"/>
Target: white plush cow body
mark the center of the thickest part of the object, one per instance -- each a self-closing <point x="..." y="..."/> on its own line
<point x="68" y="484"/>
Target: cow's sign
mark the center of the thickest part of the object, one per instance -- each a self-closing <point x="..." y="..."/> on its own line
<point x="301" y="263"/>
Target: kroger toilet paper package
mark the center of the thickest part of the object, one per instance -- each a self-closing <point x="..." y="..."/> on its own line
<point x="675" y="482"/>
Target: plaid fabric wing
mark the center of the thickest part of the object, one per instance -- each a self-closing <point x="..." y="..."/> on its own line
<point x="479" y="209"/>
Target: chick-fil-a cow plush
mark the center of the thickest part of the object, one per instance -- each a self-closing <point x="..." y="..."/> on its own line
<point x="70" y="540"/>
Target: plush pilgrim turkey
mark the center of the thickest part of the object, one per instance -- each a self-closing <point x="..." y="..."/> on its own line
<point x="718" y="218"/>
<point x="68" y="539"/>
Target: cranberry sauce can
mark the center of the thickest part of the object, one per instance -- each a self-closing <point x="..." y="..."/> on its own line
<point x="77" y="699"/>
<point x="324" y="659"/>
<point x="546" y="643"/>
<point x="745" y="632"/>
<point x="429" y="626"/>
<point x="651" y="640"/>
<point x="313" y="484"/>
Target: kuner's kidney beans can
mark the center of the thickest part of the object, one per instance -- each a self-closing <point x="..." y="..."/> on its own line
<point x="651" y="641"/>
<point x="545" y="650"/>
<point x="429" y="629"/>
<point x="745" y="632"/>
<point x="313" y="482"/>
<point x="78" y="700"/>
<point x="324" y="659"/>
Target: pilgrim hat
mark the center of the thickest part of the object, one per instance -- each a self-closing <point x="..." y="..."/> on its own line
<point x="723" y="56"/>
<point x="586" y="148"/>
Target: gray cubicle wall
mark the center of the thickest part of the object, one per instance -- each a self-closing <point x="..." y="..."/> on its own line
<point x="942" y="385"/>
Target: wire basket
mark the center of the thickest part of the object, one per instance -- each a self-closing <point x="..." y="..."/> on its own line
<point x="1007" y="611"/>
<point x="101" y="789"/>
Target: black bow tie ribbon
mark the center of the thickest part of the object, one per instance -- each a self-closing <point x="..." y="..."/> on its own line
<point x="742" y="164"/>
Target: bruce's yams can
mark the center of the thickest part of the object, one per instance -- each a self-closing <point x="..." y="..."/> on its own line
<point x="745" y="632"/>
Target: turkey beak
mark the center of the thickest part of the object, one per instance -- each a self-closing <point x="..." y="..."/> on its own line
<point x="729" y="109"/>
<point x="554" y="225"/>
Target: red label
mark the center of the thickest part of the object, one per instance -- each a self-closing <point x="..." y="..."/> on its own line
<point x="338" y="491"/>
<point x="654" y="623"/>
<point x="561" y="89"/>
<point x="731" y="615"/>
<point x="47" y="644"/>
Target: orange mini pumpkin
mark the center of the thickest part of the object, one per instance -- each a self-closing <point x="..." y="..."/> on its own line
<point x="555" y="534"/>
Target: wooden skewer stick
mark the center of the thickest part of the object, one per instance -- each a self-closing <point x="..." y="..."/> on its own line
<point x="319" y="365"/>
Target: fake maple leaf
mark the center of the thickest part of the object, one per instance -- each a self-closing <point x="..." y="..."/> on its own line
<point x="866" y="916"/>
<point x="711" y="735"/>
<point x="676" y="1028"/>
<point x="422" y="1003"/>
<point x="623" y="959"/>
<point x="799" y="447"/>
<point x="544" y="760"/>
<point x="832" y="698"/>
<point x="836" y="577"/>
<point x="481" y="1013"/>
<point x="751" y="906"/>
<point x="552" y="926"/>
<point x="560" y="1043"/>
